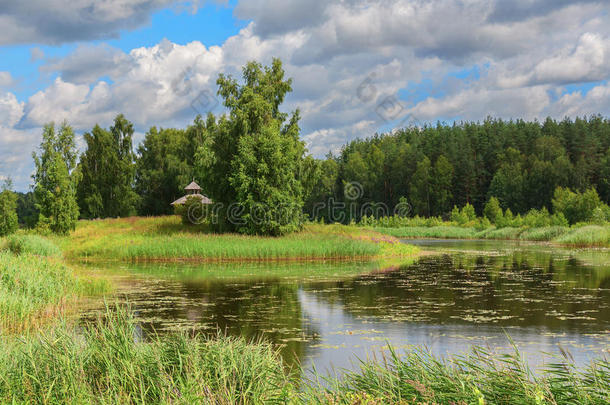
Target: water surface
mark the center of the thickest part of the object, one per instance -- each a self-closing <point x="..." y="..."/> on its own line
<point x="330" y="314"/>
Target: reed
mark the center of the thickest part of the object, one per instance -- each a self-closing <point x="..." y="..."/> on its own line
<point x="591" y="235"/>
<point x="34" y="289"/>
<point x="107" y="362"/>
<point x="32" y="244"/>
<point x="479" y="377"/>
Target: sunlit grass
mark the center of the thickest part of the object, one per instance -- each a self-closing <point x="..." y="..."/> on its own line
<point x="107" y="362"/>
<point x="445" y="232"/>
<point x="32" y="244"/>
<point x="165" y="238"/>
<point x="578" y="235"/>
<point x="34" y="289"/>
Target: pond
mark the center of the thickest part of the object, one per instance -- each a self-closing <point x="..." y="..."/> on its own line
<point x="327" y="315"/>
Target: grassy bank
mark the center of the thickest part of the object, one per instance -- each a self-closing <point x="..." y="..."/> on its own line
<point x="165" y="238"/>
<point x="581" y="236"/>
<point x="35" y="288"/>
<point x="106" y="363"/>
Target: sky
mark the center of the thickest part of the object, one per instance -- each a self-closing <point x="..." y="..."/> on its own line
<point x="358" y="66"/>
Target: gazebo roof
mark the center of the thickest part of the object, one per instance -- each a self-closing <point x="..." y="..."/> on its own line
<point x="193" y="186"/>
<point x="182" y="200"/>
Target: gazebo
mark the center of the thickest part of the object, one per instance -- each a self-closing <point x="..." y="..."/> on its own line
<point x="193" y="190"/>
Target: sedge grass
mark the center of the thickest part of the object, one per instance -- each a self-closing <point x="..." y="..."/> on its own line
<point x="34" y="288"/>
<point x="546" y="233"/>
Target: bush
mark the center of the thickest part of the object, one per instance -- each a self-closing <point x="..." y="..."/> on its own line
<point x="576" y="207"/>
<point x="192" y="212"/>
<point x="601" y="214"/>
<point x="492" y="210"/>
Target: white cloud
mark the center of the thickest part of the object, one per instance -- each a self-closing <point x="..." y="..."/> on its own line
<point x="344" y="57"/>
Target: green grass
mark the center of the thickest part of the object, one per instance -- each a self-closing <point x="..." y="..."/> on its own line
<point x="105" y="362"/>
<point x="501" y="233"/>
<point x="546" y="233"/>
<point x="577" y="235"/>
<point x="165" y="238"/>
<point x="445" y="232"/>
<point x="32" y="244"/>
<point x="33" y="288"/>
<point x="591" y="235"/>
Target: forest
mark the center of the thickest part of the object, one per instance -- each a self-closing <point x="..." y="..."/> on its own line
<point x="434" y="167"/>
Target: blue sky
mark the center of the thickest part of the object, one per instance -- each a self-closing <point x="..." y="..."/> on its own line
<point x="358" y="66"/>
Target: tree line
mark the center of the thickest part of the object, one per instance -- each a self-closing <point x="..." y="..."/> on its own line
<point x="253" y="156"/>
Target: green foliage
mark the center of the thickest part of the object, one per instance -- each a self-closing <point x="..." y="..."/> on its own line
<point x="520" y="163"/>
<point x="252" y="158"/>
<point x="165" y="166"/>
<point x="107" y="168"/>
<point x="193" y="212"/>
<point x="8" y="210"/>
<point x="420" y="188"/>
<point x="55" y="179"/>
<point x="575" y="206"/>
<point x="442" y="183"/>
<point x="493" y="211"/>
<point x="464" y="215"/>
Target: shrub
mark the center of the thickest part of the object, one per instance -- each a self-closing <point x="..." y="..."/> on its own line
<point x="192" y="212"/>
<point x="576" y="207"/>
<point x="492" y="210"/>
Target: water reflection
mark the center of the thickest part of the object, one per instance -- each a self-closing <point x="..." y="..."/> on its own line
<point x="477" y="294"/>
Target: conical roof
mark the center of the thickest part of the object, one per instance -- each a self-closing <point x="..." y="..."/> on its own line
<point x="193" y="186"/>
